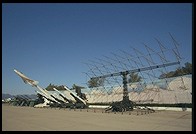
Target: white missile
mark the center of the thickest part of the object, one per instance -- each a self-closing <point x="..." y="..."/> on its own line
<point x="47" y="94"/>
<point x="35" y="84"/>
<point x="64" y="96"/>
<point x="26" y="79"/>
<point x="42" y="94"/>
<point x="74" y="95"/>
<point x="50" y="96"/>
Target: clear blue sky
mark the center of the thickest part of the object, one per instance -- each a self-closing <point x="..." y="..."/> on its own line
<point x="50" y="42"/>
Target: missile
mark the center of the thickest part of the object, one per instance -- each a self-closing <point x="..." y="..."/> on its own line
<point x="51" y="97"/>
<point x="45" y="97"/>
<point x="63" y="96"/>
<point x="34" y="83"/>
<point x="74" y="95"/>
<point x="26" y="79"/>
<point x="46" y="93"/>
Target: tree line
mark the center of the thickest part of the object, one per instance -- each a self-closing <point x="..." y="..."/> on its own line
<point x="134" y="77"/>
<point x="187" y="69"/>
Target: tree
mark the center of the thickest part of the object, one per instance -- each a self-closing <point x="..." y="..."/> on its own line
<point x="178" y="72"/>
<point x="74" y="86"/>
<point x="134" y="77"/>
<point x="60" y="87"/>
<point x="95" y="82"/>
<point x="51" y="86"/>
<point x="78" y="91"/>
<point x="188" y="68"/>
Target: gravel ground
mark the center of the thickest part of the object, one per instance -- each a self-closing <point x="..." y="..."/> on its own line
<point x="50" y="119"/>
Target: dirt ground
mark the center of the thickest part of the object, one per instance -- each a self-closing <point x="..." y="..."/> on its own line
<point x="53" y="119"/>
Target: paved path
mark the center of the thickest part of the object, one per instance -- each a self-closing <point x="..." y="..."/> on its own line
<point x="47" y="119"/>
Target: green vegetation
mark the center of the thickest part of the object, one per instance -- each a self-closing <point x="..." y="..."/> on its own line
<point x="178" y="72"/>
<point x="51" y="86"/>
<point x="76" y="87"/>
<point x="95" y="82"/>
<point x="134" y="77"/>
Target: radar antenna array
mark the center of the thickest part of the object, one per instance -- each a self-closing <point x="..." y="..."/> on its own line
<point x="113" y="74"/>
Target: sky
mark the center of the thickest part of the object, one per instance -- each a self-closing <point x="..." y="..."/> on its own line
<point x="50" y="42"/>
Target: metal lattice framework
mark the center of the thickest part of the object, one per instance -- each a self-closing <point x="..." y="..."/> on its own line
<point x="114" y="71"/>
